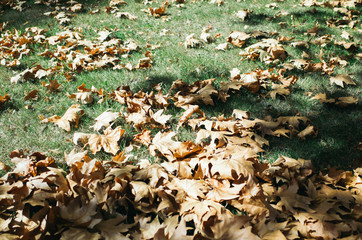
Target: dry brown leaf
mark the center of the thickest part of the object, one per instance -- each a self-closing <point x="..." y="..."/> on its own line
<point x="190" y="109"/>
<point x="345" y="101"/>
<point x="192" y="42"/>
<point x="160" y="118"/>
<point x="223" y="47"/>
<point x="300" y="44"/>
<point x="108" y="141"/>
<point x="104" y="120"/>
<point x="126" y="15"/>
<point x="4" y="99"/>
<point x="237" y="38"/>
<point x="33" y="95"/>
<point x="71" y="116"/>
<point x="278" y="89"/>
<point x="342" y="78"/>
<point x="52" y="86"/>
<point x="82" y="97"/>
<point x="165" y="145"/>
<point x="4" y="167"/>
<point x="322" y="98"/>
<point x="242" y="14"/>
<point x="143" y="138"/>
<point x="76" y="7"/>
<point x="308" y="131"/>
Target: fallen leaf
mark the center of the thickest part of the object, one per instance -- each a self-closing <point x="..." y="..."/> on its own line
<point x="108" y="141"/>
<point x="223" y="47"/>
<point x="33" y="95"/>
<point x="345" y="101"/>
<point x="308" y="131"/>
<point x="342" y="78"/>
<point x="192" y="42"/>
<point x="322" y="98"/>
<point x="242" y="14"/>
<point x="52" y="86"/>
<point x="70" y="116"/>
<point x="104" y="120"/>
<point x="4" y="99"/>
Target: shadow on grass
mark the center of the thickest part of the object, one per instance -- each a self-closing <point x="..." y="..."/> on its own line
<point x="335" y="145"/>
<point x="148" y="84"/>
<point x="33" y="14"/>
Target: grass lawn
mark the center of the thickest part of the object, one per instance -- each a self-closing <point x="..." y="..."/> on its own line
<point x="339" y="128"/>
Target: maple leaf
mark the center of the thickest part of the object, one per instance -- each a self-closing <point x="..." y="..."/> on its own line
<point x="223" y="46"/>
<point x="205" y="36"/>
<point x="281" y="131"/>
<point x="190" y="109"/>
<point x="342" y="78"/>
<point x="187" y="148"/>
<point x="226" y="226"/>
<point x="104" y="120"/>
<point x="113" y="228"/>
<point x="250" y="82"/>
<point x="126" y="15"/>
<point x="242" y="14"/>
<point x="52" y="86"/>
<point x="107" y="141"/>
<point x="79" y="213"/>
<point x="308" y="131"/>
<point x="144" y="137"/>
<point x="155" y="173"/>
<point x="80" y="138"/>
<point x="345" y="101"/>
<point x="116" y="3"/>
<point x="4" y="167"/>
<point x="70" y="116"/>
<point x="279" y="89"/>
<point x="202" y="95"/>
<point x="160" y="118"/>
<point x="222" y="191"/>
<point x="165" y="145"/>
<point x="293" y="121"/>
<point x="139" y="119"/>
<point x="83" y="97"/>
<point x="4" y="99"/>
<point x="237" y="38"/>
<point x="217" y="2"/>
<point x="74" y="157"/>
<point x="192" y="42"/>
<point x="199" y="211"/>
<point x="225" y="87"/>
<point x="158" y="12"/>
<point x="322" y="98"/>
<point x="232" y="168"/>
<point x="141" y="190"/>
<point x="76" y="7"/>
<point x="300" y="44"/>
<point x="33" y="95"/>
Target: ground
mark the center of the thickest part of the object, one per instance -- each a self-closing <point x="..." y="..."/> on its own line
<point x="172" y="82"/>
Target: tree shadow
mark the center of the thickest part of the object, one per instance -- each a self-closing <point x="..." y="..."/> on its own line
<point x="33" y="14"/>
<point x="339" y="128"/>
<point x="154" y="79"/>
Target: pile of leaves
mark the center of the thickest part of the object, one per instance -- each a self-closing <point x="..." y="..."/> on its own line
<point x="195" y="194"/>
<point x="213" y="188"/>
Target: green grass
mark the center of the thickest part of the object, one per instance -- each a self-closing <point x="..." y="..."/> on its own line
<point x="339" y="128"/>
